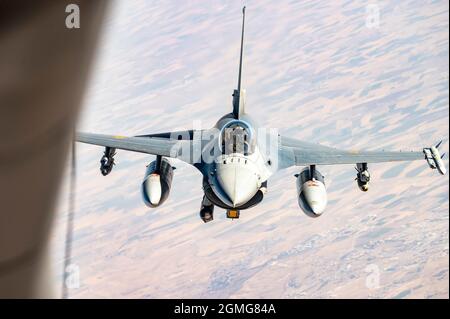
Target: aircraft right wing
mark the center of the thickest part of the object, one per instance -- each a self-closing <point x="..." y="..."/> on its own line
<point x="143" y="144"/>
<point x="295" y="152"/>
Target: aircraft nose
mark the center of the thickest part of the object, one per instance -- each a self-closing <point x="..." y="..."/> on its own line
<point x="238" y="181"/>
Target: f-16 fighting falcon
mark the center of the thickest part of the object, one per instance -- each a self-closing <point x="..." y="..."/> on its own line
<point x="236" y="158"/>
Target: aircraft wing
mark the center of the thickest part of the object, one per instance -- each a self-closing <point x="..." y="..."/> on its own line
<point x="142" y="144"/>
<point x="295" y="152"/>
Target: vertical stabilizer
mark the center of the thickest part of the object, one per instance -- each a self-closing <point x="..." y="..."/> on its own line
<point x="238" y="98"/>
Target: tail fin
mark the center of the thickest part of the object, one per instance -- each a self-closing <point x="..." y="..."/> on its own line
<point x="238" y="96"/>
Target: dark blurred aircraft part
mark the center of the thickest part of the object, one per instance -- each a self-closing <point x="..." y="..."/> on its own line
<point x="44" y="71"/>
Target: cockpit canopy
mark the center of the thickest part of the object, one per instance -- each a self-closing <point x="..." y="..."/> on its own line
<point x="237" y="137"/>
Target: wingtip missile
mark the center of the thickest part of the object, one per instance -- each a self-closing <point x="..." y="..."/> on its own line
<point x="434" y="158"/>
<point x="440" y="166"/>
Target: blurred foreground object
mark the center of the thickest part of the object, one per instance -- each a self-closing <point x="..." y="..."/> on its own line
<point x="43" y="72"/>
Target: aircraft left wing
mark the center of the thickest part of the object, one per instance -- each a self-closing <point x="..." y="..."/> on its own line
<point x="294" y="152"/>
<point x="142" y="144"/>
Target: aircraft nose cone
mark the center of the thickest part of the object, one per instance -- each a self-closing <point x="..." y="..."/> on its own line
<point x="238" y="181"/>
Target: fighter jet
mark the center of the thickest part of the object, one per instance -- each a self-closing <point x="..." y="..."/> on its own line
<point x="236" y="158"/>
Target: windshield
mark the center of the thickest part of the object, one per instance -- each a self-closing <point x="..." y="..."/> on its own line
<point x="237" y="137"/>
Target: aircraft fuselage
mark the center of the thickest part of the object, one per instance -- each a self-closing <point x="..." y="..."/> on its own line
<point x="236" y="178"/>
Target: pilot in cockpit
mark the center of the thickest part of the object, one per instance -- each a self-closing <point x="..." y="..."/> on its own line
<point x="237" y="138"/>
